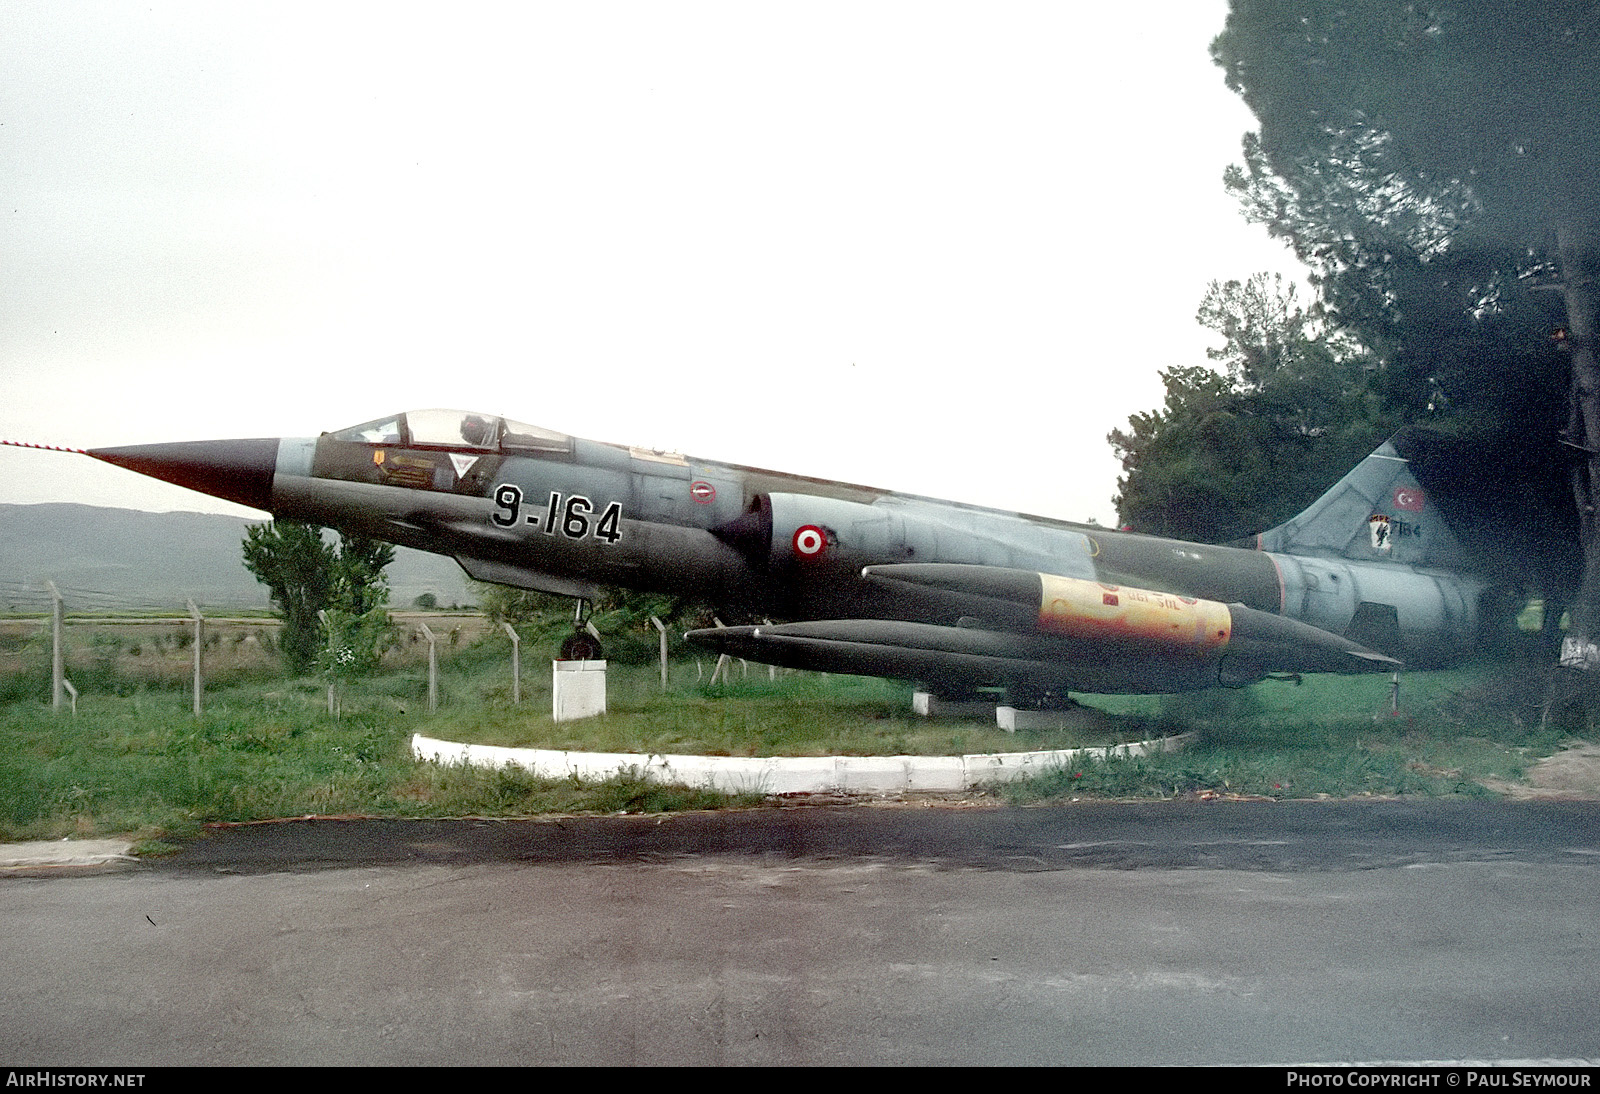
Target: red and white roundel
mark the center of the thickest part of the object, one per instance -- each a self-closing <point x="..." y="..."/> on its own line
<point x="809" y="541"/>
<point x="1409" y="499"/>
<point x="702" y="492"/>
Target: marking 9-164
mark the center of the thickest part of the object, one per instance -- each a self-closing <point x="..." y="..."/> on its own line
<point x="572" y="515"/>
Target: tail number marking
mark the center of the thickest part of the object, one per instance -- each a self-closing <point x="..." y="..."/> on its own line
<point x="572" y="516"/>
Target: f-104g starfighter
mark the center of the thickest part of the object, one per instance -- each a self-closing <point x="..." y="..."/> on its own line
<point x="868" y="581"/>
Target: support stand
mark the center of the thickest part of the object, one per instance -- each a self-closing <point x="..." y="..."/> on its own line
<point x="577" y="689"/>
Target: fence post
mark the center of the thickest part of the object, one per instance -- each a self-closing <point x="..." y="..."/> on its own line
<point x="662" y="627"/>
<point x="199" y="635"/>
<point x="333" y="706"/>
<point x="516" y="664"/>
<point x="433" y="667"/>
<point x="721" y="667"/>
<point x="58" y="674"/>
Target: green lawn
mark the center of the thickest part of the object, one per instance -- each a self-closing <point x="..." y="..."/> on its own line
<point x="135" y="759"/>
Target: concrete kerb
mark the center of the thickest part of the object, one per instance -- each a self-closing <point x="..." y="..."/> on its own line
<point x="787" y="775"/>
<point x="734" y="774"/>
<point x="42" y="854"/>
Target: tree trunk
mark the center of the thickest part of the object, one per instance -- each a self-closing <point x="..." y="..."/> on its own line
<point x="1578" y="684"/>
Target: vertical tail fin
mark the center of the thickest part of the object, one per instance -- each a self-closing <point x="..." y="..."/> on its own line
<point x="1378" y="512"/>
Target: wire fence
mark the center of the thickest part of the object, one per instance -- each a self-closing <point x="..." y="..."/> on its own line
<point x="34" y="596"/>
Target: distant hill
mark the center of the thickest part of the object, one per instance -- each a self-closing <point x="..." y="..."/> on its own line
<point x="127" y="559"/>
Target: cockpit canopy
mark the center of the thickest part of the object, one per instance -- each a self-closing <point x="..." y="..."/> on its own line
<point x="460" y="430"/>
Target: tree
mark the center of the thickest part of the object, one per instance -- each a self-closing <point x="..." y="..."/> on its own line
<point x="359" y="584"/>
<point x="1239" y="450"/>
<point x="505" y="604"/>
<point x="613" y="609"/>
<point x="297" y="567"/>
<point x="307" y="575"/>
<point x="359" y="629"/>
<point x="1457" y="332"/>
<point x="1446" y="131"/>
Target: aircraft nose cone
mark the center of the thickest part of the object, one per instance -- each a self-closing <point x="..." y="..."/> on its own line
<point x="239" y="471"/>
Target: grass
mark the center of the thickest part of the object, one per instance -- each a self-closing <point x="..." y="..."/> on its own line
<point x="1332" y="736"/>
<point x="135" y="760"/>
<point x="803" y="714"/>
<point x="142" y="764"/>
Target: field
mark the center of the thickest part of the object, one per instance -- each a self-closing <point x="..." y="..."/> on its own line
<point x="135" y="759"/>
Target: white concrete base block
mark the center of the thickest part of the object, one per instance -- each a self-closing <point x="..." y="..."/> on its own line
<point x="1012" y="719"/>
<point x="577" y="689"/>
<point x="928" y="705"/>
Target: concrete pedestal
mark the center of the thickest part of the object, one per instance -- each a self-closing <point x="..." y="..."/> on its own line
<point x="1012" y="719"/>
<point x="928" y="705"/>
<point x="577" y="689"/>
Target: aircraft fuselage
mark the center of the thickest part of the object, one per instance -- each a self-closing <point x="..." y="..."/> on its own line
<point x="540" y="510"/>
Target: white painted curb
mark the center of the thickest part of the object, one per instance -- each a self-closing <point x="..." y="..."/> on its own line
<point x="65" y="852"/>
<point x="786" y="774"/>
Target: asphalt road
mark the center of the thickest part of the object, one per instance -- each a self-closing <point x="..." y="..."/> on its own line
<point x="1088" y="934"/>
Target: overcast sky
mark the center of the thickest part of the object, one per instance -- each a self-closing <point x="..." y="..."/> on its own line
<point x="937" y="247"/>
